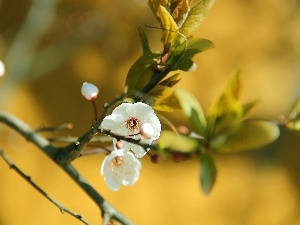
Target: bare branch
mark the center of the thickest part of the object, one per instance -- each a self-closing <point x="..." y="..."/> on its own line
<point x="64" y="126"/>
<point x="50" y="150"/>
<point x="74" y="150"/>
<point x="40" y="190"/>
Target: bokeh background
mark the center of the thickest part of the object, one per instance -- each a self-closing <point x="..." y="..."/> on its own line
<point x="51" y="47"/>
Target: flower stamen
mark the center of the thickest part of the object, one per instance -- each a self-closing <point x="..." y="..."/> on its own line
<point x="117" y="161"/>
<point x="132" y="124"/>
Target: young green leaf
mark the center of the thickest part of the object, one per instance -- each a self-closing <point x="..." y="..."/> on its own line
<point x="294" y="116"/>
<point x="192" y="110"/>
<point x="194" y="46"/>
<point x="208" y="173"/>
<point x="251" y="135"/>
<point x="169" y="26"/>
<point x="187" y="65"/>
<point x="197" y="45"/>
<point x="171" y="81"/>
<point x="170" y="141"/>
<point x="162" y="98"/>
<point x="180" y="10"/>
<point x="155" y="4"/>
<point x="248" y="106"/>
<point x="227" y="113"/>
<point x="145" y="42"/>
<point x="139" y="74"/>
<point x="196" y="16"/>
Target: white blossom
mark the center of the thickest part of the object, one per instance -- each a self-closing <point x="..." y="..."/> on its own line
<point x="120" y="168"/>
<point x="135" y="120"/>
<point x="89" y="91"/>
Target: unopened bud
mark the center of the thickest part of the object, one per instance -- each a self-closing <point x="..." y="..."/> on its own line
<point x="119" y="145"/>
<point x="155" y="159"/>
<point x="177" y="157"/>
<point x="146" y="130"/>
<point x="183" y="130"/>
<point x="2" y="69"/>
<point x="89" y="91"/>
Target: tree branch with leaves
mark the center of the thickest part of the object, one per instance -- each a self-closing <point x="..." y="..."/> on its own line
<point x="133" y="119"/>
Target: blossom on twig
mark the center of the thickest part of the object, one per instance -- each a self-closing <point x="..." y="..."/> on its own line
<point x="120" y="168"/>
<point x="135" y="120"/>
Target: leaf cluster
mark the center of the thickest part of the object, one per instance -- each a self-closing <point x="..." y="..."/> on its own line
<point x="145" y="78"/>
<point x="225" y="128"/>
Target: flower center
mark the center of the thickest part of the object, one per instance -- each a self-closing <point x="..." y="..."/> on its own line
<point x="132" y="124"/>
<point x="117" y="161"/>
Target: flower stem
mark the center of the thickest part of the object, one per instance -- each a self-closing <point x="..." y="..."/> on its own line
<point x="95" y="110"/>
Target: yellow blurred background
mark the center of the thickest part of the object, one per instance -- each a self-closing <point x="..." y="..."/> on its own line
<point x="69" y="42"/>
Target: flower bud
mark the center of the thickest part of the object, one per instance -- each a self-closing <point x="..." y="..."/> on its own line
<point x="2" y="69"/>
<point x="89" y="91"/>
<point x="119" y="145"/>
<point x="146" y="130"/>
<point x="155" y="159"/>
<point x="177" y="157"/>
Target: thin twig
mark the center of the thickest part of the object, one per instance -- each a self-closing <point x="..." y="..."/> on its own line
<point x="64" y="126"/>
<point x="44" y="145"/>
<point x="106" y="219"/>
<point x="73" y="151"/>
<point x="128" y="139"/>
<point x="40" y="190"/>
<point x="70" y="139"/>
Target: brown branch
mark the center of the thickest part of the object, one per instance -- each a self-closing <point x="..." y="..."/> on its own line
<point x="73" y="151"/>
<point x="40" y="190"/>
<point x="44" y="145"/>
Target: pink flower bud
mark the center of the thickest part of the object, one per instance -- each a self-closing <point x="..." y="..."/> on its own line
<point x="89" y="91"/>
<point x="146" y="130"/>
<point x="119" y="145"/>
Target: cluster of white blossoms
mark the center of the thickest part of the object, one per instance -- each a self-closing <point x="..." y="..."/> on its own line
<point x="134" y="120"/>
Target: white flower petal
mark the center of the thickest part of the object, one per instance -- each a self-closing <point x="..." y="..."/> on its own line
<point x="139" y="151"/>
<point x="126" y="119"/>
<point x="120" y="170"/>
<point x="113" y="183"/>
<point x="131" y="169"/>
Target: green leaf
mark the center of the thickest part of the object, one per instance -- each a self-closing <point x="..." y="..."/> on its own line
<point x="192" y="110"/>
<point x="184" y="56"/>
<point x="208" y="173"/>
<point x="227" y="113"/>
<point x="248" y="106"/>
<point x="169" y="26"/>
<point x="294" y="116"/>
<point x="155" y="4"/>
<point x="251" y="135"/>
<point x="180" y="9"/>
<point x="139" y="74"/>
<point x="162" y="98"/>
<point x="171" y="81"/>
<point x="170" y="141"/>
<point x="186" y="65"/>
<point x="196" y="16"/>
<point x="145" y="42"/>
<point x="197" y="45"/>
